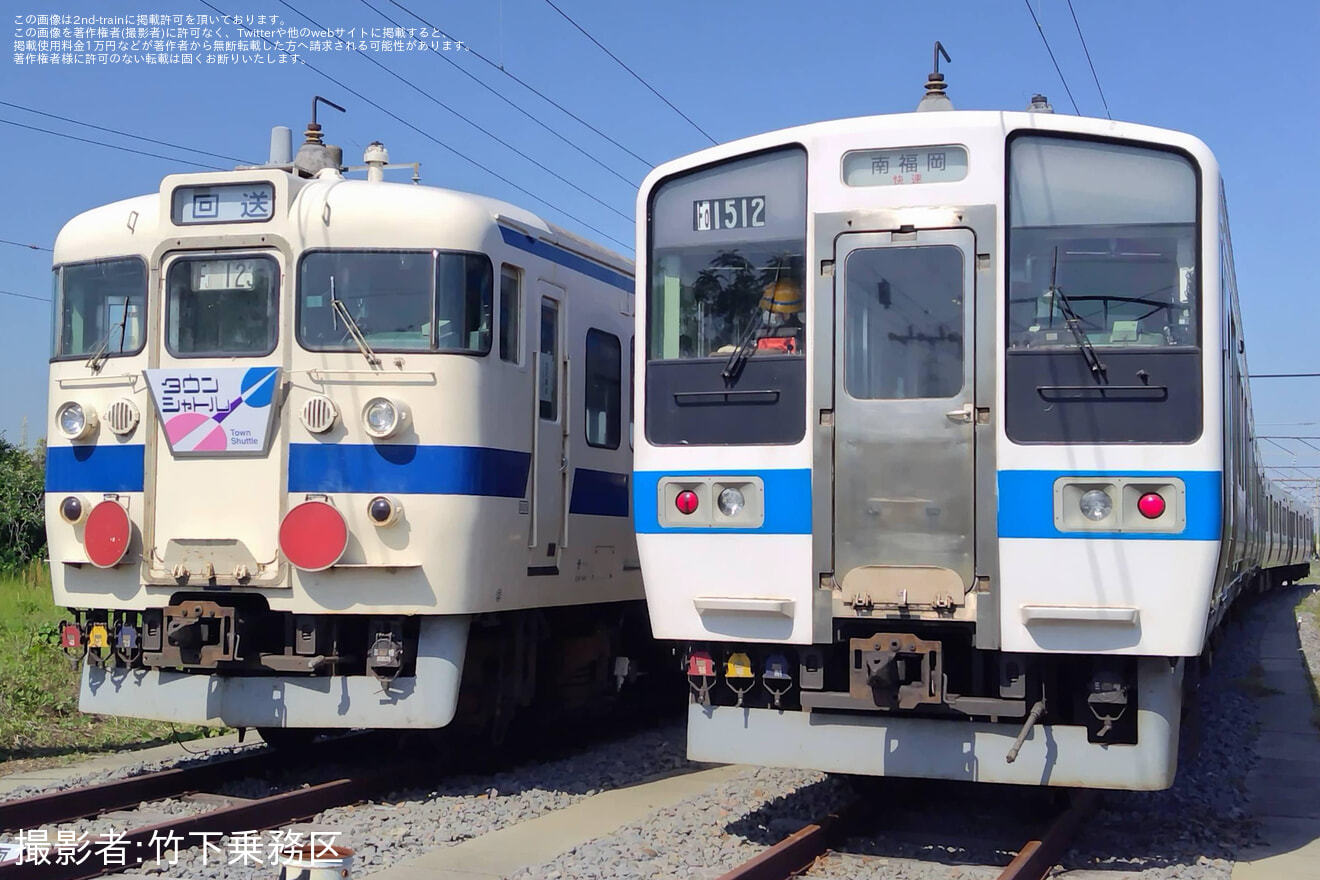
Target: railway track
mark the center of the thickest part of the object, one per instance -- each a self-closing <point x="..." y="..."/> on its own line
<point x="799" y="851"/>
<point x="373" y="763"/>
<point x="241" y="814"/>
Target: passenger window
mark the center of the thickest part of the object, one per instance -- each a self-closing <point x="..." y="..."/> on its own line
<point x="510" y="314"/>
<point x="547" y="361"/>
<point x="603" y="394"/>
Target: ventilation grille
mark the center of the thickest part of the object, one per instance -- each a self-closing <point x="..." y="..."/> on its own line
<point x="319" y="414"/>
<point x="122" y="416"/>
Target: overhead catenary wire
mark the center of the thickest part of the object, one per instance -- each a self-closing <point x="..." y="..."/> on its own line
<point x="634" y="73"/>
<point x="1057" y="69"/>
<point x="136" y="137"/>
<point x="502" y="97"/>
<point x="1283" y="376"/>
<point x="31" y="247"/>
<point x="74" y="137"/>
<point x="528" y="86"/>
<point x="487" y="132"/>
<point x="1089" y="63"/>
<point x="435" y="140"/>
<point x="44" y="299"/>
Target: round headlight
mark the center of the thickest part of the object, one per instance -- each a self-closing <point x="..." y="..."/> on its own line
<point x="1095" y="504"/>
<point x="75" y="423"/>
<point x="382" y="417"/>
<point x="731" y="501"/>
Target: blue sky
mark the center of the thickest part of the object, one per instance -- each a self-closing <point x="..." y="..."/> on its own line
<point x="1246" y="83"/>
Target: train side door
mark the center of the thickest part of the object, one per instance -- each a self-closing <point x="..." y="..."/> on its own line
<point x="905" y="417"/>
<point x="549" y="449"/>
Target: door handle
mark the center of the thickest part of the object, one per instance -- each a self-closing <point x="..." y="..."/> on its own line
<point x="964" y="415"/>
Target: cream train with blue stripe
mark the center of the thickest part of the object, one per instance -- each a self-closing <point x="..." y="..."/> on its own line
<point x="327" y="452"/>
<point x="973" y="509"/>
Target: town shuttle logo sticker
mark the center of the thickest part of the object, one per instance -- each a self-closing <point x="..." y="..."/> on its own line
<point x="221" y="411"/>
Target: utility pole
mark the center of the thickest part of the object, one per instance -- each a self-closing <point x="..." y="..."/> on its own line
<point x="22" y="435"/>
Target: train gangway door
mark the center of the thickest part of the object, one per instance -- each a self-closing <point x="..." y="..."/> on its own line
<point x="549" y="446"/>
<point x="905" y="417"/>
<point x="215" y="486"/>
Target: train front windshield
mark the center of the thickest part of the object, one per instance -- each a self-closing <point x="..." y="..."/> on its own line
<point x="1107" y="231"/>
<point x="100" y="306"/>
<point x="1103" y="293"/>
<point x="398" y="300"/>
<point x="726" y="318"/>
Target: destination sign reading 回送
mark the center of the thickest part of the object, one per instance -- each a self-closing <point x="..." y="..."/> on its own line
<point x="939" y="164"/>
<point x="227" y="203"/>
<point x="742" y="212"/>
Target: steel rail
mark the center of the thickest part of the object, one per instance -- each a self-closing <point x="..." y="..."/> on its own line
<point x="140" y="844"/>
<point x="53" y="808"/>
<point x="794" y="853"/>
<point x="1035" y="860"/>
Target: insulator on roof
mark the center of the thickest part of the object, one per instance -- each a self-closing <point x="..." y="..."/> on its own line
<point x="1039" y="104"/>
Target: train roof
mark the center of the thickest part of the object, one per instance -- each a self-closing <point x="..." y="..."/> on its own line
<point x="934" y="127"/>
<point x="135" y="226"/>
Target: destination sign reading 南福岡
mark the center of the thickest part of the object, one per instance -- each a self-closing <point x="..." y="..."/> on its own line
<point x="942" y="163"/>
<point x="742" y="212"/>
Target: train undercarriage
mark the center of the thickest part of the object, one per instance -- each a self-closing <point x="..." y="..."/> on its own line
<point x="493" y="670"/>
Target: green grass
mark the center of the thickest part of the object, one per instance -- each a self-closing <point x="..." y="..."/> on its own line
<point x="39" y="717"/>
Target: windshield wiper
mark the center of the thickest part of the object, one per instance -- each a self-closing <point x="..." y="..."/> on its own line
<point x="337" y="306"/>
<point x="102" y="351"/>
<point x="744" y="350"/>
<point x="1074" y="323"/>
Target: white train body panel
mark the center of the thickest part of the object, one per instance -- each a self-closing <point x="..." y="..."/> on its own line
<point x="500" y="503"/>
<point x="890" y="490"/>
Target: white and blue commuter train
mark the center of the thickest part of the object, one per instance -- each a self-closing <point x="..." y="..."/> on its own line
<point x="945" y="463"/>
<point x="331" y="453"/>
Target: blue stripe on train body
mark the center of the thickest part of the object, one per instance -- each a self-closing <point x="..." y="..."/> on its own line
<point x="360" y="468"/>
<point x="442" y="470"/>
<point x="1026" y="505"/>
<point x="599" y="493"/>
<point x="408" y="469"/>
<point x="787" y="502"/>
<point x="96" y="468"/>
<point x="565" y="258"/>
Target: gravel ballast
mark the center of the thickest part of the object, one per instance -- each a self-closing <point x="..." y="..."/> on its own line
<point x="920" y="830"/>
<point x="937" y="831"/>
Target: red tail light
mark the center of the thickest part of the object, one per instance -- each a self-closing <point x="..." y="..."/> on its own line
<point x="107" y="534"/>
<point x="686" y="502"/>
<point x="313" y="535"/>
<point x="1151" y="505"/>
